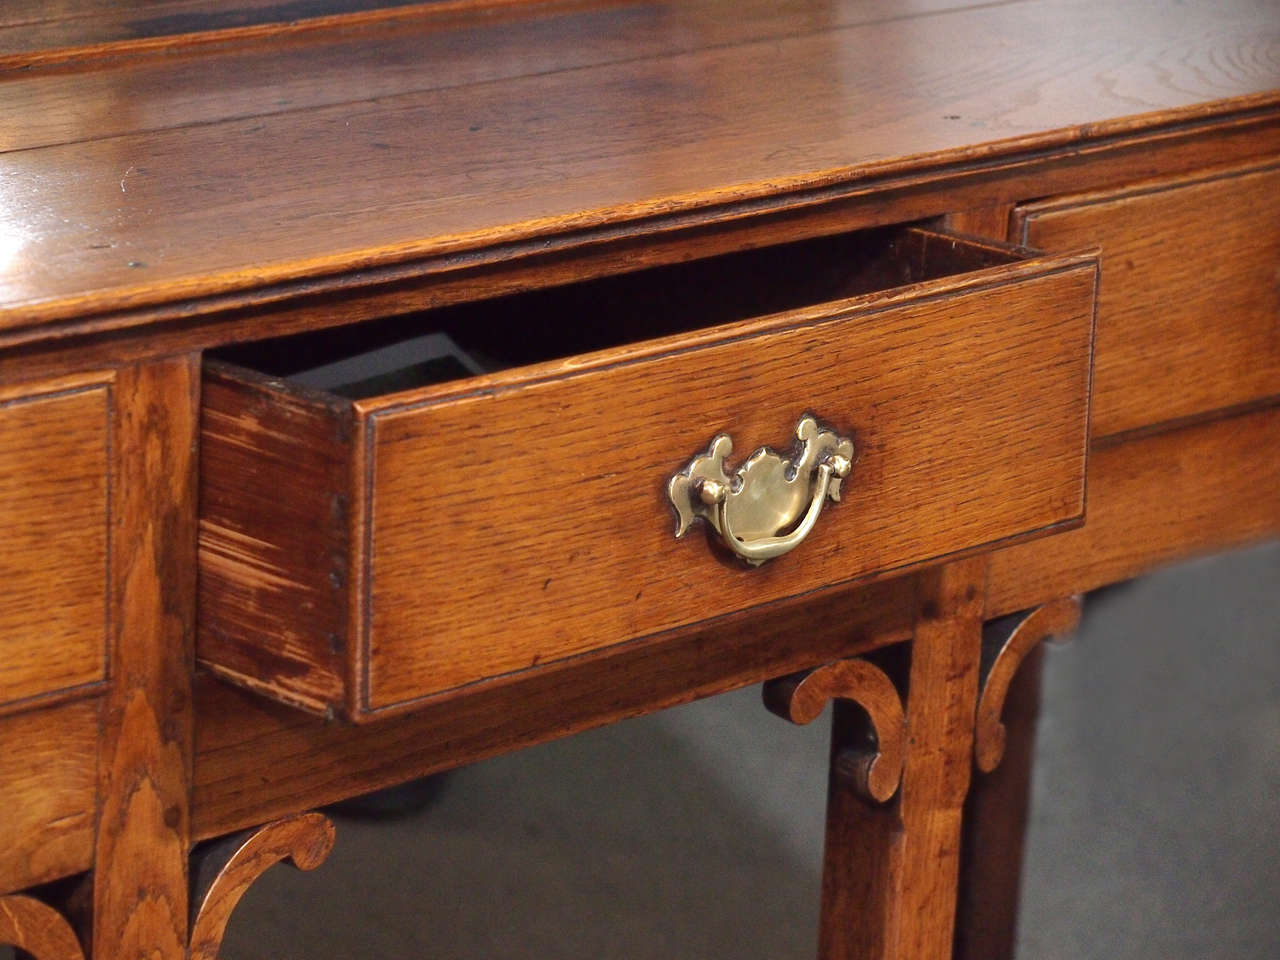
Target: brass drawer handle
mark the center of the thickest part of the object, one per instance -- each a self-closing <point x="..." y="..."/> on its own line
<point x="771" y="503"/>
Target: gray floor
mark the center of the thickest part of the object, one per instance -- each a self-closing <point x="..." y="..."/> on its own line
<point x="696" y="833"/>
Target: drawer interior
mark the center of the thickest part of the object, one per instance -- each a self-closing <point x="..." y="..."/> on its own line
<point x="433" y="346"/>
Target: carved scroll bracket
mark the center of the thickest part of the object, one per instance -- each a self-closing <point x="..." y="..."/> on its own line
<point x="305" y="840"/>
<point x="1005" y="643"/>
<point x="37" y="929"/>
<point x="876" y="769"/>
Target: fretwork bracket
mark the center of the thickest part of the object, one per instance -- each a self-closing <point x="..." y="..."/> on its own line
<point x="37" y="929"/>
<point x="304" y="840"/>
<point x="876" y="769"/>
<point x="1005" y="644"/>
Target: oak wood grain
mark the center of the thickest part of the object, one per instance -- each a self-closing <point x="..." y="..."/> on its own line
<point x="54" y="525"/>
<point x="37" y="930"/>
<point x="996" y="815"/>
<point x="945" y="463"/>
<point x="875" y="767"/>
<point x="652" y="138"/>
<point x="93" y="337"/>
<point x="1056" y="619"/>
<point x="32" y="35"/>
<point x="890" y="872"/>
<point x="257" y="760"/>
<point x="48" y="768"/>
<point x="575" y="455"/>
<point x="143" y="830"/>
<point x="256" y="441"/>
<point x="1154" y="500"/>
<point x="1189" y="306"/>
<point x="941" y="697"/>
<point x="370" y="58"/>
<point x="304" y="841"/>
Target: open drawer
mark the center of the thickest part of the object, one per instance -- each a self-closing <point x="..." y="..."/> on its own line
<point x="410" y="533"/>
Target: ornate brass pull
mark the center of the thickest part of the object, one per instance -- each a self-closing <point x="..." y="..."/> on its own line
<point x="771" y="502"/>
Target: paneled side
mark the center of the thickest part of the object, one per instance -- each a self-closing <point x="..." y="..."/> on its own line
<point x="1189" y="304"/>
<point x="48" y="765"/>
<point x="54" y="523"/>
<point x="272" y="545"/>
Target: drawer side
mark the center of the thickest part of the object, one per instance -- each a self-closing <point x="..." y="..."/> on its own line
<point x="274" y="506"/>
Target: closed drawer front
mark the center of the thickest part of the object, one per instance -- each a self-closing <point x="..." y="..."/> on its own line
<point x="54" y="522"/>
<point x="363" y="554"/>
<point x="1189" y="301"/>
<point x="49" y="768"/>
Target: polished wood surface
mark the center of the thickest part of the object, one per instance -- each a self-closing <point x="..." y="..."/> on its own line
<point x="1179" y="333"/>
<point x="583" y="555"/>
<point x="55" y="519"/>
<point x="1154" y="500"/>
<point x="178" y="178"/>
<point x="314" y="763"/>
<point x="47" y="32"/>
<point x="419" y="35"/>
<point x="942" y="691"/>
<point x="304" y="841"/>
<point x="916" y="435"/>
<point x="889" y="874"/>
<point x="874" y="768"/>
<point x="37" y="930"/>
<point x="996" y="815"/>
<point x="144" y="774"/>
<point x="48" y="765"/>
<point x="1005" y="647"/>
<point x="107" y="224"/>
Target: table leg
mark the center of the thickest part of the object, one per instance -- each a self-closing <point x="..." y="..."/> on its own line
<point x="995" y="825"/>
<point x="890" y="869"/>
<point x="145" y="749"/>
<point x="1004" y="739"/>
<point x="942" y="693"/>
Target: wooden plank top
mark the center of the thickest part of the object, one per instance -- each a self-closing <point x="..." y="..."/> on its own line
<point x="131" y="178"/>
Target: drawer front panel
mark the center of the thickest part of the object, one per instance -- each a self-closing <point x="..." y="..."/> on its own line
<point x="49" y="768"/>
<point x="524" y="525"/>
<point x="54" y="519"/>
<point x="1189" y="303"/>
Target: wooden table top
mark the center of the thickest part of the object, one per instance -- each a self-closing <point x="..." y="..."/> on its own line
<point x="145" y="162"/>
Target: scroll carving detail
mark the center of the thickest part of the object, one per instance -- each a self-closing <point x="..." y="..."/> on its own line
<point x="304" y="840"/>
<point x="1006" y="650"/>
<point x="801" y="697"/>
<point x="37" y="929"/>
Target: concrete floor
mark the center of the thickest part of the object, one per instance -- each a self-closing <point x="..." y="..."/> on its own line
<point x="696" y="833"/>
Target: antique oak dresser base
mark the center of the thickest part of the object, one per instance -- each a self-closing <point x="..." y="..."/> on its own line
<point x="1004" y="276"/>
